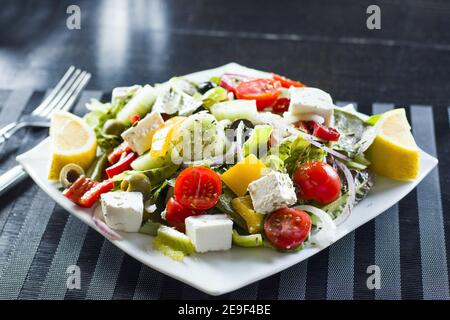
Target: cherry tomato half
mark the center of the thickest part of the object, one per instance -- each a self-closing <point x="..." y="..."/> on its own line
<point x="229" y="81"/>
<point x="198" y="188"/>
<point x="176" y="214"/>
<point x="286" y="82"/>
<point x="318" y="181"/>
<point x="287" y="228"/>
<point x="264" y="91"/>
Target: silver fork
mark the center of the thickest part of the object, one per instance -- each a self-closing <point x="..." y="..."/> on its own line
<point x="61" y="98"/>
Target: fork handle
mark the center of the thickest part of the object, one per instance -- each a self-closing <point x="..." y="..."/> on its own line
<point x="11" y="177"/>
<point x="7" y="131"/>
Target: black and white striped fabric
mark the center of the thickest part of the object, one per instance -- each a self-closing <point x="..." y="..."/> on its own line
<point x="409" y="242"/>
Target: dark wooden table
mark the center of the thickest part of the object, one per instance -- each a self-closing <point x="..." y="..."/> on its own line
<point x="322" y="43"/>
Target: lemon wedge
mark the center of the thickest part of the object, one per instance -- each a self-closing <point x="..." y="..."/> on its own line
<point x="394" y="153"/>
<point x="72" y="141"/>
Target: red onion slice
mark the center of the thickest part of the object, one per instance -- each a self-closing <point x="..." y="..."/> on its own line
<point x="237" y="75"/>
<point x="348" y="208"/>
<point x="240" y="141"/>
<point x="103" y="228"/>
<point x="327" y="233"/>
<point x="214" y="161"/>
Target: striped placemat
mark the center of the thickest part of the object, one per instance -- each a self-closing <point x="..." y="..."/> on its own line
<point x="409" y="242"/>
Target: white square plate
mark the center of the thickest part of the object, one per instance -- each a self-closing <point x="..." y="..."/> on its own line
<point x="220" y="272"/>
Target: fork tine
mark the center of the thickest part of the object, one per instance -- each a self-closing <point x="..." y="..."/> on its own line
<point x="60" y="94"/>
<point x="54" y="92"/>
<point x="77" y="92"/>
<point x="70" y="93"/>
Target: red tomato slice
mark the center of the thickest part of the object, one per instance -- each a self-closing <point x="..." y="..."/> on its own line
<point x="198" y="188"/>
<point x="325" y="133"/>
<point x="264" y="91"/>
<point x="287" y="228"/>
<point x="176" y="214"/>
<point x="286" y="82"/>
<point x="229" y="81"/>
<point x="318" y="181"/>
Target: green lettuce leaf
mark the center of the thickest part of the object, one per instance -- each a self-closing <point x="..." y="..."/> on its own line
<point x="356" y="134"/>
<point x="296" y="152"/>
<point x="96" y="118"/>
<point x="274" y="162"/>
<point x="363" y="184"/>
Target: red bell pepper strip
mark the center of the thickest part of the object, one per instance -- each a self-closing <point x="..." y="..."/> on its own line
<point x="286" y="82"/>
<point x="77" y="189"/>
<point x="135" y="118"/>
<point x="325" y="133"/>
<point x="122" y="165"/>
<point x="85" y="192"/>
<point x="281" y="105"/>
<point x="114" y="156"/>
<point x="93" y="194"/>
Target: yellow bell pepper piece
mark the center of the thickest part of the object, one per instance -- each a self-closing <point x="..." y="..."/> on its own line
<point x="238" y="177"/>
<point x="162" y="136"/>
<point x="244" y="207"/>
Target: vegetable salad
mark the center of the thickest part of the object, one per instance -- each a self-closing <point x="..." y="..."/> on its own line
<point x="237" y="160"/>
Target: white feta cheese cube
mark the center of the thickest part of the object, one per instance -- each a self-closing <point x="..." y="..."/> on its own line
<point x="122" y="210"/>
<point x="171" y="100"/>
<point x="210" y="232"/>
<point x="271" y="192"/>
<point x="293" y="118"/>
<point x="139" y="136"/>
<point x="306" y="102"/>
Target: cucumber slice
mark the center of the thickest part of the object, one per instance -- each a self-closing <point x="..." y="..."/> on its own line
<point x="147" y="162"/>
<point x="213" y="96"/>
<point x="150" y="228"/>
<point x="200" y="137"/>
<point x="258" y="139"/>
<point x="253" y="240"/>
<point x="173" y="243"/>
<point x="235" y="109"/>
<point x="140" y="104"/>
